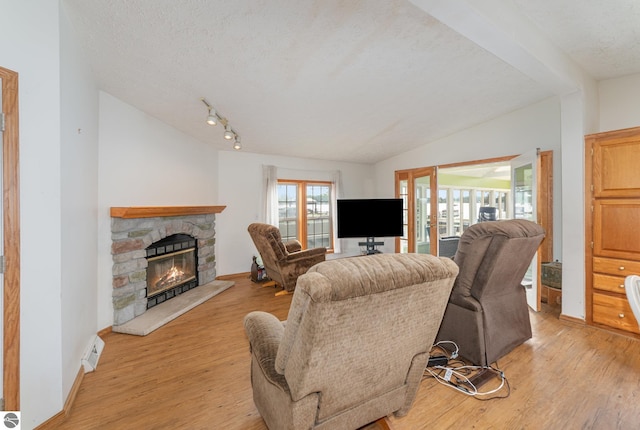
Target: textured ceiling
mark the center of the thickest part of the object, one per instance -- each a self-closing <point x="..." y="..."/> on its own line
<point x="344" y="80"/>
<point x="602" y="36"/>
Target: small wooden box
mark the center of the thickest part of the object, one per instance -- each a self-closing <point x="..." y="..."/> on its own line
<point x="552" y="274"/>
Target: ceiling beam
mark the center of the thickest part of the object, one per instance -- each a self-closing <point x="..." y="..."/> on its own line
<point x="498" y="27"/>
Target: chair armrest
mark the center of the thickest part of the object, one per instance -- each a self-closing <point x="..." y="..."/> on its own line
<point x="293" y="245"/>
<point x="265" y="332"/>
<point x="467" y="302"/>
<point x="316" y="253"/>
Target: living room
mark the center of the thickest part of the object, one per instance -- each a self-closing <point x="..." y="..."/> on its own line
<point x="81" y="150"/>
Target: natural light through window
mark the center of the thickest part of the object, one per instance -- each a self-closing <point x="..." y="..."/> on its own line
<point x="304" y="212"/>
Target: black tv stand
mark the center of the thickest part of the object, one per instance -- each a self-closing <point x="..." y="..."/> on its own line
<point x="371" y="245"/>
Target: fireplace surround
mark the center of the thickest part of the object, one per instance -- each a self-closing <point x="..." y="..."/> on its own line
<point x="171" y="268"/>
<point x="135" y="229"/>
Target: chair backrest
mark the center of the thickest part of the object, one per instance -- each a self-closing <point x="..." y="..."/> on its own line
<point x="494" y="256"/>
<point x="268" y="242"/>
<point x="487" y="213"/>
<point x="355" y="325"/>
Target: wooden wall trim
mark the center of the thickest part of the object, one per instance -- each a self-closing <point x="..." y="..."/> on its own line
<point x="11" y="224"/>
<point x="163" y="211"/>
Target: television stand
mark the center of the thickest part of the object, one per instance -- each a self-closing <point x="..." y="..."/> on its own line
<point x="371" y="245"/>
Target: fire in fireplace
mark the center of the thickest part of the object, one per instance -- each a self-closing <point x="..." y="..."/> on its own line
<point x="171" y="269"/>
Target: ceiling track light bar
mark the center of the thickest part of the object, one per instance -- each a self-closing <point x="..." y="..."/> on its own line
<point x="213" y="118"/>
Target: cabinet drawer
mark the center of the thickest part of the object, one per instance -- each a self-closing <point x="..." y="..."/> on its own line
<point x="614" y="312"/>
<point x="615" y="266"/>
<point x="615" y="284"/>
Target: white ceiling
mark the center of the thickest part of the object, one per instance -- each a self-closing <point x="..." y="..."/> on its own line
<point x="347" y="80"/>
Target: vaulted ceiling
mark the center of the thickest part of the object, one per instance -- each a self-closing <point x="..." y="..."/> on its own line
<point x="351" y="80"/>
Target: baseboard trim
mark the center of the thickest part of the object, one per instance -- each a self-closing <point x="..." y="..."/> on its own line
<point x="58" y="419"/>
<point x="105" y="331"/>
<point x="575" y="320"/>
<point x="235" y="275"/>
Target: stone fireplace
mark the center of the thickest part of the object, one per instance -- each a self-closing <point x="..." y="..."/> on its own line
<point x="158" y="254"/>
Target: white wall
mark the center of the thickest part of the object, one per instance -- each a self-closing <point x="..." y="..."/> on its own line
<point x="29" y="43"/>
<point x="79" y="200"/>
<point x="535" y="126"/>
<point x="241" y="190"/>
<point x="144" y="162"/>
<point x="619" y="103"/>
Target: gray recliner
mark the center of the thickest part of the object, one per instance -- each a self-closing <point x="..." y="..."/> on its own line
<point x="487" y="315"/>
<point x="355" y="344"/>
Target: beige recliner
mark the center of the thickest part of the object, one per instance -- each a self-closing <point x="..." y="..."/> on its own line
<point x="487" y="315"/>
<point x="356" y="342"/>
<point x="284" y="262"/>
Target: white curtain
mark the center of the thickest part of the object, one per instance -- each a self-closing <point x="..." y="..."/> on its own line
<point x="270" y="181"/>
<point x="336" y="193"/>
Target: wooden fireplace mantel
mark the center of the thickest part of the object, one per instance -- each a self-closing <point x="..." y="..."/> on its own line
<point x="163" y="211"/>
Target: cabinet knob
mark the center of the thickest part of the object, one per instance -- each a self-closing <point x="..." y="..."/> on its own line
<point x="621" y="268"/>
<point x="621" y="315"/>
<point x="621" y="286"/>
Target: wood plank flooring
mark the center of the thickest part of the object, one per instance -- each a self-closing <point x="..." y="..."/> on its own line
<point x="194" y="373"/>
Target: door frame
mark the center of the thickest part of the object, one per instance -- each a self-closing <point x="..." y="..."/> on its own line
<point x="410" y="175"/>
<point x="11" y="220"/>
<point x="544" y="206"/>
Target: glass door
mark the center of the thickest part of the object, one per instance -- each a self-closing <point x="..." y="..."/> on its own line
<point x="417" y="187"/>
<point x="524" y="186"/>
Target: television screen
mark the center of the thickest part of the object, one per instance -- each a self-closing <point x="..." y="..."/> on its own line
<point x="369" y="218"/>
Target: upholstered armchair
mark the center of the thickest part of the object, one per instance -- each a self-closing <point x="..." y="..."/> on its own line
<point x="356" y="342"/>
<point x="487" y="315"/>
<point x="284" y="262"/>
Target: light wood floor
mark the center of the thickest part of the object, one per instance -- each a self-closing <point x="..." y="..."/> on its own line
<point x="194" y="373"/>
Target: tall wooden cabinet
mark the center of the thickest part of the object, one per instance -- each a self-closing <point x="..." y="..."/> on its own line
<point x="613" y="226"/>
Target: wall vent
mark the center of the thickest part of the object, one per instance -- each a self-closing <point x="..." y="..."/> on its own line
<point x="92" y="355"/>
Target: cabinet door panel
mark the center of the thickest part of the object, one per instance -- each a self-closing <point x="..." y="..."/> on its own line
<point x="615" y="228"/>
<point x="616" y="166"/>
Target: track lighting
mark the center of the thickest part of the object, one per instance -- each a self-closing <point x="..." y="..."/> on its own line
<point x="214" y="117"/>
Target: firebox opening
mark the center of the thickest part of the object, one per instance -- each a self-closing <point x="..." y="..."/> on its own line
<point x="171" y="268"/>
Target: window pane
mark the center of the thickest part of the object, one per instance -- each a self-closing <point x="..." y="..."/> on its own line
<point x="288" y="211"/>
<point x="318" y="216"/>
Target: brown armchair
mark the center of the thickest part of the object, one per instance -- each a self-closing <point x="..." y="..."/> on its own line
<point x="487" y="315"/>
<point x="356" y="342"/>
<point x="284" y="262"/>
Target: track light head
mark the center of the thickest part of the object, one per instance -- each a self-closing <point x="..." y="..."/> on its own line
<point x="236" y="144"/>
<point x="211" y="119"/>
<point x="228" y="133"/>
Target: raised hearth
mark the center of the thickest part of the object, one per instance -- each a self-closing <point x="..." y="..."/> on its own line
<point x="134" y="229"/>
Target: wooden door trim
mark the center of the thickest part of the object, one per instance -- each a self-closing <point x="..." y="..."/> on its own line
<point x="11" y="219"/>
<point x="588" y="227"/>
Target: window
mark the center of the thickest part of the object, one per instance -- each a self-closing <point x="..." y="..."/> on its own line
<point x="304" y="212"/>
<point x="458" y="209"/>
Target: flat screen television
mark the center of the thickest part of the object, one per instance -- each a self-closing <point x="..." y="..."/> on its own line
<point x="369" y="218"/>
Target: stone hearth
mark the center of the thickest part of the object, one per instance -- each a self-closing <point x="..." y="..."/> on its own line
<point x="134" y="229"/>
